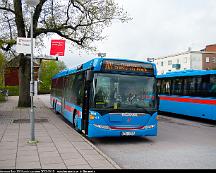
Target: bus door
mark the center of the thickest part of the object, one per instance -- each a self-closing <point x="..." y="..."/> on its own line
<point x="86" y="97"/>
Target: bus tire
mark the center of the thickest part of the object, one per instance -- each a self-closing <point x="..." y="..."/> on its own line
<point x="56" y="112"/>
<point x="53" y="104"/>
<point x="75" y="124"/>
<point x="73" y="119"/>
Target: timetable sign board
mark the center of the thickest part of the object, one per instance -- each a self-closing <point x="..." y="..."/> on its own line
<point x="24" y="45"/>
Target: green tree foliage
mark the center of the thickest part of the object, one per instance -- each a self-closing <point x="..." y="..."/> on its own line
<point x="47" y="70"/>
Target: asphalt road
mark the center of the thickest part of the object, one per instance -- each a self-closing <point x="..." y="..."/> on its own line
<point x="180" y="144"/>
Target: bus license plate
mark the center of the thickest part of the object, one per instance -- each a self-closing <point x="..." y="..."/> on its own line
<point x="127" y="133"/>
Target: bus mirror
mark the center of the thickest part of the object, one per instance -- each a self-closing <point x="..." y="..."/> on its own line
<point x="89" y="75"/>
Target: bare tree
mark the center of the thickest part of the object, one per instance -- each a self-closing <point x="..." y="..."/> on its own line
<point x="80" y="21"/>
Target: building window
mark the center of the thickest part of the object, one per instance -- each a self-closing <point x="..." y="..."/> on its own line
<point x="213" y="59"/>
<point x="185" y="60"/>
<point x="162" y="63"/>
<point x="207" y="59"/>
<point x="170" y="62"/>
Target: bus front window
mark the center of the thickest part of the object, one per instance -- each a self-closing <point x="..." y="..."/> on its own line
<point x="124" y="92"/>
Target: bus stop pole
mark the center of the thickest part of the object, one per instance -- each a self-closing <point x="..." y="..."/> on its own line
<point x="32" y="3"/>
<point x="32" y="83"/>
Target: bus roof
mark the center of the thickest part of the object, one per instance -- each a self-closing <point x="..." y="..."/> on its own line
<point x="94" y="64"/>
<point x="187" y="73"/>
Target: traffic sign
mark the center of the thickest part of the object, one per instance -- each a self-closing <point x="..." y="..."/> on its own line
<point x="57" y="47"/>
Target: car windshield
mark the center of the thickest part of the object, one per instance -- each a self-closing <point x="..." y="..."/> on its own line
<point x="124" y="92"/>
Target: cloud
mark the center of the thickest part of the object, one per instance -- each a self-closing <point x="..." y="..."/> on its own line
<point x="158" y="28"/>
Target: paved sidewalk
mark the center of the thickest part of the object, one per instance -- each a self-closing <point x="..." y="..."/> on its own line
<point x="59" y="147"/>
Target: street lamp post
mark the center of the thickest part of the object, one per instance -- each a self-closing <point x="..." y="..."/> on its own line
<point x="32" y="4"/>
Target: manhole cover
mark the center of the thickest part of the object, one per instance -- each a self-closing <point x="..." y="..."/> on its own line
<point x="42" y="120"/>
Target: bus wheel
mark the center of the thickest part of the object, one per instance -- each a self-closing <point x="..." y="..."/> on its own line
<point x="73" y="119"/>
<point x="54" y="108"/>
<point x="76" y="124"/>
<point x="53" y="104"/>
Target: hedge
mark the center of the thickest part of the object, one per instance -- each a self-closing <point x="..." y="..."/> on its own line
<point x="2" y="97"/>
<point x="12" y="90"/>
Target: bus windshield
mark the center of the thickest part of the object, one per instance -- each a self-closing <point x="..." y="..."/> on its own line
<point x="116" y="93"/>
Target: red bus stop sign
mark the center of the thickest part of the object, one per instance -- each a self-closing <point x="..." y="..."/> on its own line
<point x="57" y="47"/>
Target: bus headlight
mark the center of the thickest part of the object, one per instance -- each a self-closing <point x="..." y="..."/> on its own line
<point x="149" y="127"/>
<point x="102" y="126"/>
<point x="91" y="117"/>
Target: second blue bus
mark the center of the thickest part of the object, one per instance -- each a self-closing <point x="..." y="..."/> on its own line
<point x="190" y="93"/>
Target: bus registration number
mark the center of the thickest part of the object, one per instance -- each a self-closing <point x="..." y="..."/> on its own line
<point x="127" y="133"/>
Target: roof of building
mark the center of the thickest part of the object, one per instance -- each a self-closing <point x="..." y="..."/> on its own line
<point x="15" y="63"/>
<point x="177" y="54"/>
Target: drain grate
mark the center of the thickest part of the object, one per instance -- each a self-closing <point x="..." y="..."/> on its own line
<point x="41" y="120"/>
<point x="6" y="121"/>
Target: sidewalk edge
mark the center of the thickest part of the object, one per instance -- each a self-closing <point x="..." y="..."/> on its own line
<point x="103" y="154"/>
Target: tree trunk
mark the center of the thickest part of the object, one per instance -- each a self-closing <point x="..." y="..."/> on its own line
<point x="24" y="81"/>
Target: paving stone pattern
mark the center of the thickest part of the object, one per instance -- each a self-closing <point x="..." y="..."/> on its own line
<point x="59" y="146"/>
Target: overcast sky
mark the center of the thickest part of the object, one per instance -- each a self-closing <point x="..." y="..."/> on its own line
<point x="158" y="28"/>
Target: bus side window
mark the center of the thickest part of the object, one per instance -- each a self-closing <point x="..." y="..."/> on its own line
<point x="205" y="84"/>
<point x="212" y="86"/>
<point x="177" y="88"/>
<point x="59" y="87"/>
<point x="70" y="88"/>
<point x="78" y="89"/>
<point x="165" y="87"/>
<point x="189" y="86"/>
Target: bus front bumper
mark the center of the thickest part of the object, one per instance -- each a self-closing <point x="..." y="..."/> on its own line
<point x="104" y="131"/>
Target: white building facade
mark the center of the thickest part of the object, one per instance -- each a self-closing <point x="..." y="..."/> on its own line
<point x="181" y="61"/>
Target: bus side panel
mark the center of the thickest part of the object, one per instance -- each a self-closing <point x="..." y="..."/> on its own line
<point x="68" y="111"/>
<point x="67" y="115"/>
<point x="58" y="105"/>
<point x="78" y="118"/>
<point x="52" y="100"/>
<point x="206" y="111"/>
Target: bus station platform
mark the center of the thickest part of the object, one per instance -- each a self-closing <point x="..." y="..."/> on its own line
<point x="59" y="146"/>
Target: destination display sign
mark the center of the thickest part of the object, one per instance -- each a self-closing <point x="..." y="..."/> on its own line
<point x="127" y="66"/>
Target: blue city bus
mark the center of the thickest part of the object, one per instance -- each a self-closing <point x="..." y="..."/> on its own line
<point x="108" y="97"/>
<point x="190" y="92"/>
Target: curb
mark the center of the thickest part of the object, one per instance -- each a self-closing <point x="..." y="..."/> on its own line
<point x="100" y="152"/>
<point x="97" y="149"/>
